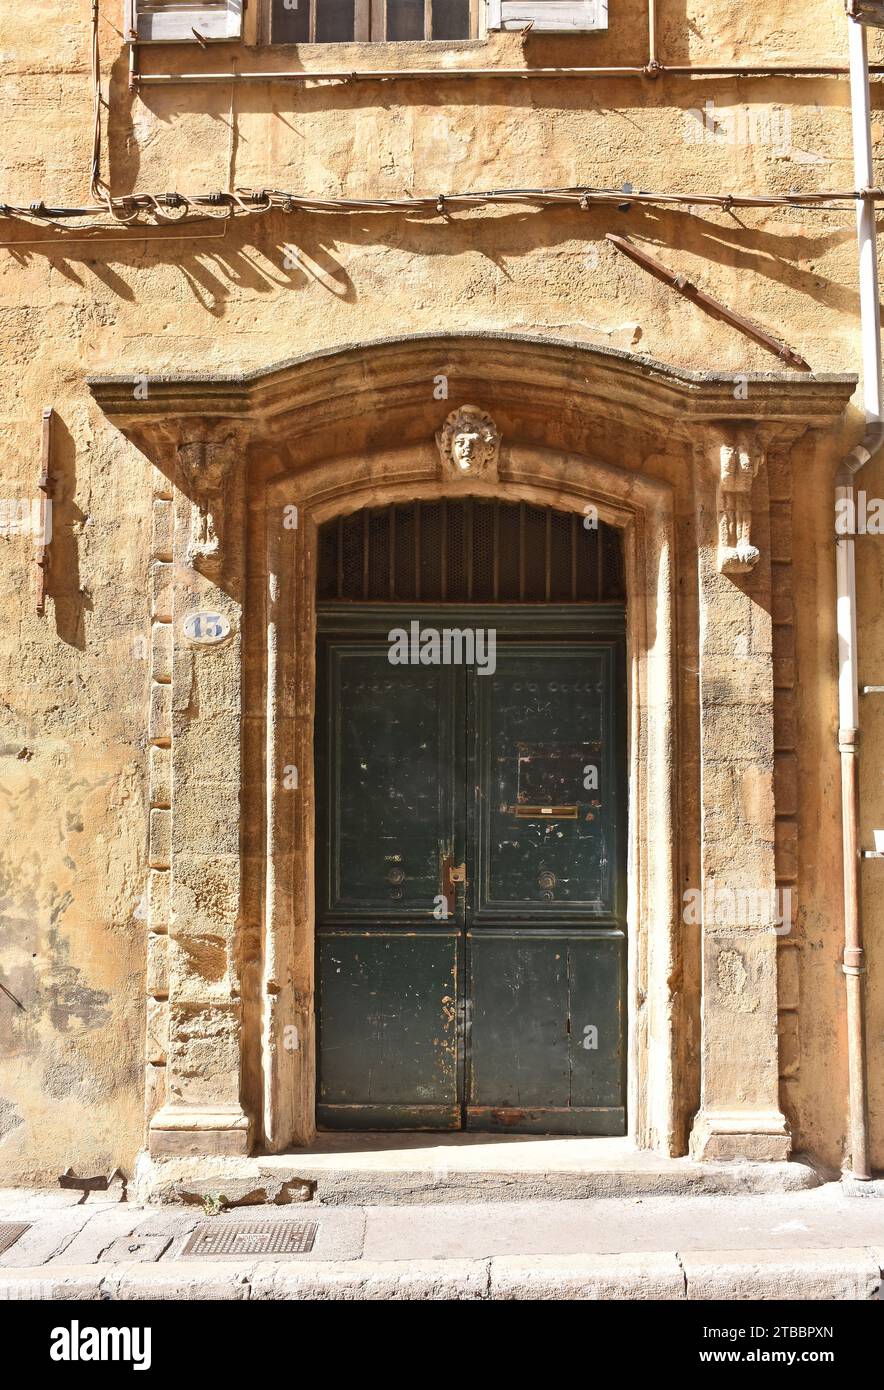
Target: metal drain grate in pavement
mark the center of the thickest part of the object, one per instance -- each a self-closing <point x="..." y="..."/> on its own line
<point x="228" y="1238"/>
<point x="10" y="1232"/>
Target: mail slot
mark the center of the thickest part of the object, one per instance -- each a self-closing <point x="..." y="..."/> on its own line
<point x="551" y="779"/>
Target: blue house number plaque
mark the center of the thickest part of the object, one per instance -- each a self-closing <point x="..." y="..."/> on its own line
<point x="205" y="628"/>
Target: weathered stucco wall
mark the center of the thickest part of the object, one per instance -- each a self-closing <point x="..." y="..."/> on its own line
<point x="73" y="842"/>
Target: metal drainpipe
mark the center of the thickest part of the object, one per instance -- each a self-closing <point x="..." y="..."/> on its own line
<point x="853" y="963"/>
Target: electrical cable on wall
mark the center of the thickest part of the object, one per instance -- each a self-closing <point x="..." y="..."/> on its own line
<point x="142" y="211"/>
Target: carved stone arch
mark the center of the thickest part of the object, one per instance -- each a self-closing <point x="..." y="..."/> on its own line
<point x="643" y="509"/>
<point x="238" y="460"/>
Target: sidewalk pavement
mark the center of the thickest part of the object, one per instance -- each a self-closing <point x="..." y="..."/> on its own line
<point x="816" y="1244"/>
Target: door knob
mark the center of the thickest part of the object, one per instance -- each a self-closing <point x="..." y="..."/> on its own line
<point x="546" y="882"/>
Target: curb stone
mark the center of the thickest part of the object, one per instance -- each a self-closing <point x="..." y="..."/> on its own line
<point x="722" y="1275"/>
<point x="633" y="1276"/>
<point x="782" y="1274"/>
<point x="428" y="1280"/>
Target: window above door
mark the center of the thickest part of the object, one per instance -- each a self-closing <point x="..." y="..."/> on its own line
<point x="346" y="21"/>
<point x="372" y="21"/>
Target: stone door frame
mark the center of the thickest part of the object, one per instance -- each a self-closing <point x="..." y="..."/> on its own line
<point x="231" y="1042"/>
<point x="643" y="509"/>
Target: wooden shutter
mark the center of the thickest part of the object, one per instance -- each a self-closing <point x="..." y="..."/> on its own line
<point x="550" y="16"/>
<point x="174" y="21"/>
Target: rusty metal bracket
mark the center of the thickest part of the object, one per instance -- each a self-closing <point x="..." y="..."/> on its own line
<point x="452" y="875"/>
<point x="44" y="484"/>
<point x="9" y="994"/>
<point x="100" y="1183"/>
<point x="707" y="302"/>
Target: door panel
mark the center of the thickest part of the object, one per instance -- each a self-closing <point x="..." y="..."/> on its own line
<point x="391" y="762"/>
<point x="502" y="1007"/>
<point x="388" y="1004"/>
<point x="544" y="727"/>
<point x="546" y="1042"/>
<point x="390" y="756"/>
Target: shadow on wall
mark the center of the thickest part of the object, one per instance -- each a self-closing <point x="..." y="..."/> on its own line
<point x="272" y="253"/>
<point x="70" y="601"/>
<point x="220" y="260"/>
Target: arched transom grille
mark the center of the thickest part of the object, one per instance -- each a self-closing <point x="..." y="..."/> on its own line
<point x="471" y="551"/>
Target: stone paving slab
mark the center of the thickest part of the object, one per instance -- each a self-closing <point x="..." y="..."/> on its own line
<point x="141" y="1248"/>
<point x="816" y="1219"/>
<point x="818" y="1244"/>
<point x="99" y="1231"/>
<point x="48" y="1236"/>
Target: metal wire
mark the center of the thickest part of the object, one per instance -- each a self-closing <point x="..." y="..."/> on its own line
<point x="140" y="211"/>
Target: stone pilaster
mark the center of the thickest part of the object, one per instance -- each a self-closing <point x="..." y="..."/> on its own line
<point x="203" y="1113"/>
<point x="159" y="791"/>
<point x="740" y="1115"/>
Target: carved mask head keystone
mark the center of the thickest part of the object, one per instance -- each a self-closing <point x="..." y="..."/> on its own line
<point x="469" y="441"/>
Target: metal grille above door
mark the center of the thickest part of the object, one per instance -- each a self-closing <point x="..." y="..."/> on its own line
<point x="469" y="551"/>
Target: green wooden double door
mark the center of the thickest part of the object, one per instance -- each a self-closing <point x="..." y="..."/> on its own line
<point x="471" y="832"/>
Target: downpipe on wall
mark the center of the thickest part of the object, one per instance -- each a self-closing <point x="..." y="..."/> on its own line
<point x="853" y="963"/>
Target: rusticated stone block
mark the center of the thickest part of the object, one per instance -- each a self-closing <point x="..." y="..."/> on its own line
<point x="160" y="776"/>
<point x="162" y="486"/>
<point x="740" y="732"/>
<point x="205" y="895"/>
<point x="204" y="1048"/>
<point x="756" y="803"/>
<point x="158" y="898"/>
<point x="161" y="591"/>
<point x="157" y="1042"/>
<point x="779" y="476"/>
<point x="788" y="976"/>
<point x="780" y="531"/>
<point x="789" y="1041"/>
<point x="159" y="726"/>
<point x="163" y="524"/>
<point x="160" y="839"/>
<point x="161" y="652"/>
<point x="157" y="967"/>
<point x="787" y="849"/>
<point x="782" y="600"/>
<point x="785" y="720"/>
<point x="198" y="968"/>
<point x="737" y="681"/>
<point x="786" y="783"/>
<point x="154" y="1088"/>
<point x="206" y="816"/>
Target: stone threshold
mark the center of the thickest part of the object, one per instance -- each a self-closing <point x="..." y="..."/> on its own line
<point x="382" y="1169"/>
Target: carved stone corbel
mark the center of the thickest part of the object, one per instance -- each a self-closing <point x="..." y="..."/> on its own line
<point x="736" y="454"/>
<point x="207" y="468"/>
